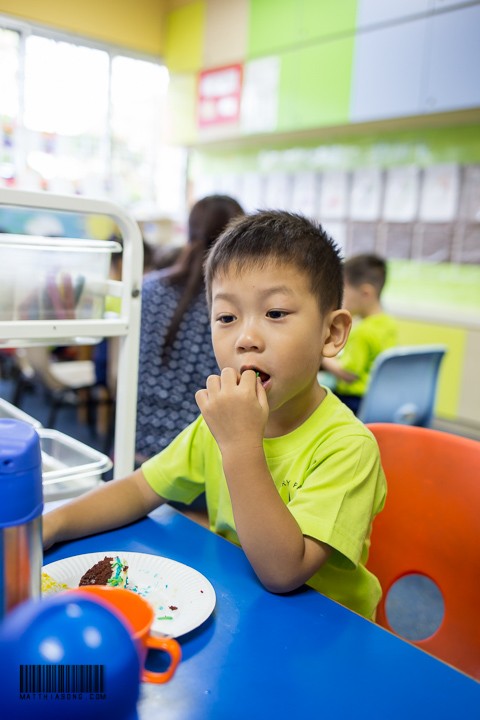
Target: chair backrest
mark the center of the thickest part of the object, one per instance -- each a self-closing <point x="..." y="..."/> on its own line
<point x="40" y="361"/>
<point x="63" y="375"/>
<point x="430" y="526"/>
<point x="403" y="386"/>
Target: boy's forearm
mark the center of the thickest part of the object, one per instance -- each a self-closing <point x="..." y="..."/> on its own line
<point x="281" y="556"/>
<point x="112" y="505"/>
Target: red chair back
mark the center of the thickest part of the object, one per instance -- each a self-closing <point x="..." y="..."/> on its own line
<point x="431" y="525"/>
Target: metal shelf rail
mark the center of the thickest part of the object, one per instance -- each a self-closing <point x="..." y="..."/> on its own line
<point x="15" y="333"/>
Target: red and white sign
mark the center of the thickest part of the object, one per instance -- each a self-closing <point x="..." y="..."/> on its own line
<point x="219" y="94"/>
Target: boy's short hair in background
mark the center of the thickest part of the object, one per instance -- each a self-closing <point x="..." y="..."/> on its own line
<point x="283" y="237"/>
<point x="366" y="268"/>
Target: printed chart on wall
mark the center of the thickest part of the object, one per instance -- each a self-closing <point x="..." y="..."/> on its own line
<point x="424" y="220"/>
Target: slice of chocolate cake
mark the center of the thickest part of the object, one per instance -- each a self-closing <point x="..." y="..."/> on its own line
<point x="109" y="571"/>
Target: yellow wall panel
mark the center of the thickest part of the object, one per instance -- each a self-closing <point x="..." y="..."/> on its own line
<point x="138" y="26"/>
<point x="450" y="380"/>
<point x="469" y="406"/>
<point x="184" y="41"/>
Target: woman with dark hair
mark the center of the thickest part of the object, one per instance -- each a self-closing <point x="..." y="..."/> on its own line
<point x="176" y="354"/>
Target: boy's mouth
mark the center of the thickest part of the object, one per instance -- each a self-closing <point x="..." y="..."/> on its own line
<point x="264" y="377"/>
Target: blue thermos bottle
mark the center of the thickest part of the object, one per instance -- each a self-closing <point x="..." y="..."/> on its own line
<point x="21" y="505"/>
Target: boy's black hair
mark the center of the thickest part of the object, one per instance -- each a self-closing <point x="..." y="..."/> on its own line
<point x="283" y="237"/>
<point x="366" y="268"/>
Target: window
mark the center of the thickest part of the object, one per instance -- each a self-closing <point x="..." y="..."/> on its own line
<point x="83" y="119"/>
<point x="65" y="119"/>
<point x="9" y="103"/>
<point x="138" y="90"/>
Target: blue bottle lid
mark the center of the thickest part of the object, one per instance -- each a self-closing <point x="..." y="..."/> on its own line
<point x="67" y="646"/>
<point x="21" y="490"/>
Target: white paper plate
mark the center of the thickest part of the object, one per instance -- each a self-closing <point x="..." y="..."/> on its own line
<point x="181" y="596"/>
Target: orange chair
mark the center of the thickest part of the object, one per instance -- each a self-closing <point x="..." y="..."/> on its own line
<point x="431" y="526"/>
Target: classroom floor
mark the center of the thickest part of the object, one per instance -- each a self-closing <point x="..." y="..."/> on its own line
<point x="414" y="606"/>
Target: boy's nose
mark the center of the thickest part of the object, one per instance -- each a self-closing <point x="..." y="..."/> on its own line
<point x="249" y="339"/>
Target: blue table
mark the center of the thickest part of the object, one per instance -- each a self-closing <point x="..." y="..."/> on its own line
<point x="266" y="656"/>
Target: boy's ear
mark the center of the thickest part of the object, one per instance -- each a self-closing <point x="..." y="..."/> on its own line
<point x="338" y="332"/>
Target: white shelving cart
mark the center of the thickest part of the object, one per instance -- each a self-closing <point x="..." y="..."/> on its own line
<point x="27" y="266"/>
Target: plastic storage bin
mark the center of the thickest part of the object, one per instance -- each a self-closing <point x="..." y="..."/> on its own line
<point x="69" y="467"/>
<point x="7" y="410"/>
<point x="53" y="278"/>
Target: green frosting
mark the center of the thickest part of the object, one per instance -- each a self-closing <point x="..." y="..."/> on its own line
<point x="118" y="573"/>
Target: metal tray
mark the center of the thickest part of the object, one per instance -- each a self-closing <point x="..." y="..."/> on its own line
<point x="70" y="467"/>
<point x="7" y="410"/>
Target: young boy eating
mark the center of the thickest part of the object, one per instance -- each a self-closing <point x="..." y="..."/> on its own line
<point x="288" y="471"/>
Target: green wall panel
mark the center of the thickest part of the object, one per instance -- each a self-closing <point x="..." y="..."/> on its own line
<point x="277" y="25"/>
<point x="182" y="108"/>
<point x="328" y="17"/>
<point x="315" y="85"/>
<point x="421" y="147"/>
<point x="435" y="286"/>
<point x="273" y="26"/>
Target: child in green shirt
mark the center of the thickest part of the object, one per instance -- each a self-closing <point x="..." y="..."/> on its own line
<point x="365" y="276"/>
<point x="288" y="471"/>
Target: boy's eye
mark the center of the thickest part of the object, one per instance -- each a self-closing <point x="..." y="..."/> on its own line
<point x="276" y="314"/>
<point x="225" y="319"/>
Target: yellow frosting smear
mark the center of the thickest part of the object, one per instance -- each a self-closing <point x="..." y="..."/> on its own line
<point x="51" y="586"/>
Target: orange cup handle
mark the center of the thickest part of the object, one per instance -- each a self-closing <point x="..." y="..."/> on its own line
<point x="170" y="646"/>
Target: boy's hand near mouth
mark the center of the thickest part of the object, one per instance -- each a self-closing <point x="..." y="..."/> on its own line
<point x="235" y="408"/>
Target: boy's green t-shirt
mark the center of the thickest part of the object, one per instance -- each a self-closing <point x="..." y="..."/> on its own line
<point x="327" y="472"/>
<point x="368" y="338"/>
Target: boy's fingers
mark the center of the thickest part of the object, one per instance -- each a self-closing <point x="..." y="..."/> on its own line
<point x="213" y="383"/>
<point x="229" y="377"/>
<point x="261" y="395"/>
<point x="201" y="397"/>
<point x="249" y="378"/>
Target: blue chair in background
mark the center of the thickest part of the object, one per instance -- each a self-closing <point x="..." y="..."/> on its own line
<point x="403" y="386"/>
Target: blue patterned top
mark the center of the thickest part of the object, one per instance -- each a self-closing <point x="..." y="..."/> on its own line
<point x="166" y="390"/>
